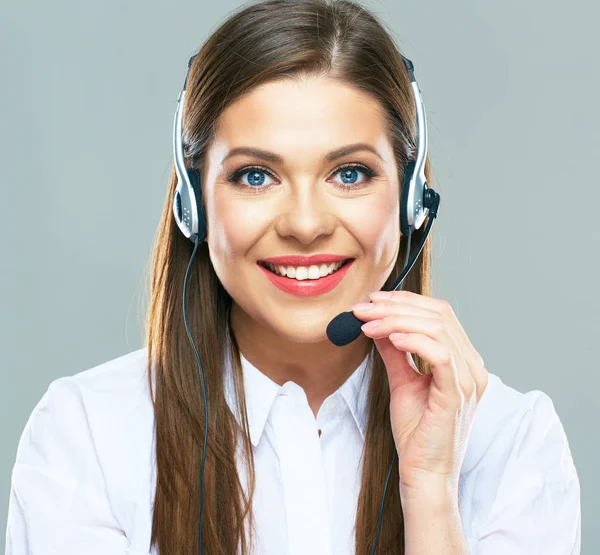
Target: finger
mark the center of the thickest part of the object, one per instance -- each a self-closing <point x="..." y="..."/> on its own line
<point x="380" y="309"/>
<point x="438" y="332"/>
<point x="435" y="308"/>
<point x="442" y="360"/>
<point x="399" y="364"/>
<point x="440" y="306"/>
<point x="473" y="358"/>
<point x="404" y="296"/>
<point x="403" y="323"/>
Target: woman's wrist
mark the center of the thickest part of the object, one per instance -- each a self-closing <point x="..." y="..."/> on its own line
<point x="432" y="521"/>
<point x="434" y="503"/>
<point x="436" y="493"/>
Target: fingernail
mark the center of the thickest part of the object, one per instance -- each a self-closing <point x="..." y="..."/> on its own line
<point x="370" y="325"/>
<point x="377" y="295"/>
<point x="362" y="306"/>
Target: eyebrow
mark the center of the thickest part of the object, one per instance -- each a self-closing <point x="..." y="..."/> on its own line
<point x="275" y="158"/>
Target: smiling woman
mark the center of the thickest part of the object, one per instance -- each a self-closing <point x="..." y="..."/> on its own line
<point x="327" y="183"/>
<point x="299" y="124"/>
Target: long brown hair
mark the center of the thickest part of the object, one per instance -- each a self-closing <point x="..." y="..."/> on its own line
<point x="260" y="42"/>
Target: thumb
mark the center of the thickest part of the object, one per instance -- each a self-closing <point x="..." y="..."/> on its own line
<point x="400" y="365"/>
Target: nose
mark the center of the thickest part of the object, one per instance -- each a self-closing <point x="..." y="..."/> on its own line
<point x="306" y="214"/>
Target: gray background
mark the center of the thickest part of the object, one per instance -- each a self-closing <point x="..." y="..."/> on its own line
<point x="87" y="101"/>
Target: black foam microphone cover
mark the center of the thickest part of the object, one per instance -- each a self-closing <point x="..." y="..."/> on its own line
<point x="344" y="329"/>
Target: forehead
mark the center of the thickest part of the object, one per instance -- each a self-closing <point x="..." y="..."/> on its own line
<point x="299" y="113"/>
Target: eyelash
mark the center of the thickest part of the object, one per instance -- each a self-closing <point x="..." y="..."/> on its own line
<point x="235" y="176"/>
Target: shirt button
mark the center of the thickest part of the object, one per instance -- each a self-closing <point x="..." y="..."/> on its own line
<point x="334" y="405"/>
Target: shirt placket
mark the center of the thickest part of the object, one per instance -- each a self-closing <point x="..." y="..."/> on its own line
<point x="302" y="473"/>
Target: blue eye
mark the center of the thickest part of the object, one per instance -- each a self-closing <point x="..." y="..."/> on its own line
<point x="349" y="179"/>
<point x="256" y="176"/>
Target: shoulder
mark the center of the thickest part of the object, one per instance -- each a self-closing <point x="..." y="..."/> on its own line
<point x="83" y="467"/>
<point x="120" y="376"/>
<point x="91" y="419"/>
<point x="518" y="463"/>
<point x="512" y="425"/>
<point x="519" y="491"/>
<point x="108" y="390"/>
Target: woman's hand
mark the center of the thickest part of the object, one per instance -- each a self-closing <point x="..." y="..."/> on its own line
<point x="432" y="414"/>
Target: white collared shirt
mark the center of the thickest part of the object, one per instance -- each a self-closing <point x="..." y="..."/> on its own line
<point x="84" y="477"/>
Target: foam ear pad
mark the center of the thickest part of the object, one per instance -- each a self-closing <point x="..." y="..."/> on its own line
<point x="406" y="178"/>
<point x="195" y="181"/>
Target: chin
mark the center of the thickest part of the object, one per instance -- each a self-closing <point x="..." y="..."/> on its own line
<point x="304" y="329"/>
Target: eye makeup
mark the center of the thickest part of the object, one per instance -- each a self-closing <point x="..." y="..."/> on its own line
<point x="368" y="172"/>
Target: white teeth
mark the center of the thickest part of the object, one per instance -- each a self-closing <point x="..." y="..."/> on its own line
<point x="301" y="272"/>
<point x="313" y="272"/>
<point x="305" y="272"/>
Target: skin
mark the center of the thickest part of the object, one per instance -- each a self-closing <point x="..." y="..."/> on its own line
<point x="303" y="209"/>
<point x="431" y="415"/>
<point x="300" y="210"/>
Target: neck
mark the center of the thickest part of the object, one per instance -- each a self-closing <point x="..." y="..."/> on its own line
<point x="319" y="367"/>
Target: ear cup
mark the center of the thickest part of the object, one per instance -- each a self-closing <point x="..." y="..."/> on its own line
<point x="406" y="179"/>
<point x="195" y="182"/>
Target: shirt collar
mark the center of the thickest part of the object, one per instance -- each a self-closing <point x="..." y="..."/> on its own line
<point x="260" y="392"/>
<point x="355" y="392"/>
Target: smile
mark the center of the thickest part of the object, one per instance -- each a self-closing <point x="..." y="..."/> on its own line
<point x="303" y="281"/>
<point x="300" y="273"/>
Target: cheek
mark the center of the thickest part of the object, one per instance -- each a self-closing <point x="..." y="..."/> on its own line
<point x="235" y="225"/>
<point x="376" y="225"/>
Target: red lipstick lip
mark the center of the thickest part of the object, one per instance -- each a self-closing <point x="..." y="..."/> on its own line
<point x="312" y="260"/>
<point x="307" y="287"/>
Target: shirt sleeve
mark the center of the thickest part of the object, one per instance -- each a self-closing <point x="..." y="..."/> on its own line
<point x="537" y="505"/>
<point x="58" y="503"/>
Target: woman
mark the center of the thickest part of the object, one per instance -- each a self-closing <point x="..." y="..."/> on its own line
<point x="301" y="432"/>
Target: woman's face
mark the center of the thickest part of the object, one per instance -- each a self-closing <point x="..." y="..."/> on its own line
<point x="296" y="199"/>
